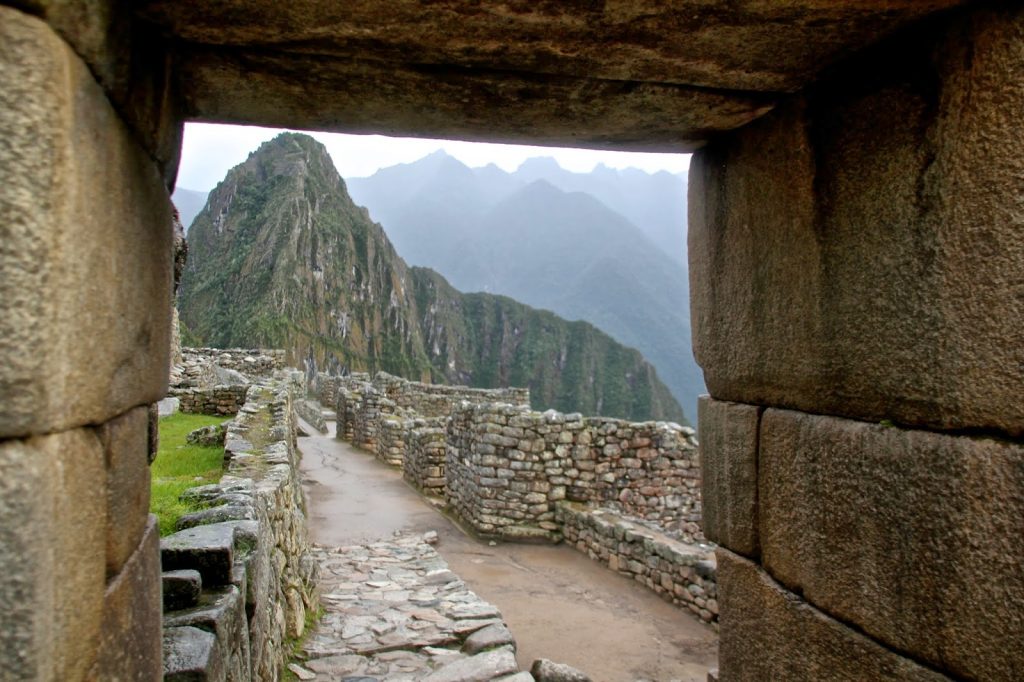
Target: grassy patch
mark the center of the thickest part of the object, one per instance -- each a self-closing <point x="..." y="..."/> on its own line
<point x="180" y="466"/>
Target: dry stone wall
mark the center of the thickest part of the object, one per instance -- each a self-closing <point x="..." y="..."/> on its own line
<point x="679" y="572"/>
<point x="650" y="469"/>
<point x="626" y="494"/>
<point x="246" y="554"/>
<point x="437" y="400"/>
<point x="217" y="400"/>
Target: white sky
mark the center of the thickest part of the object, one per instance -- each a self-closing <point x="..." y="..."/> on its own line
<point x="210" y="150"/>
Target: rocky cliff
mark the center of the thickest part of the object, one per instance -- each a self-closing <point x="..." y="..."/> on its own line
<point x="281" y="256"/>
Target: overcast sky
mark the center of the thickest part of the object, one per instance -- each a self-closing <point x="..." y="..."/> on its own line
<point x="209" y="151"/>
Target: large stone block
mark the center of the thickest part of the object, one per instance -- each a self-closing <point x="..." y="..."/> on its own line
<point x="859" y="251"/>
<point x="131" y="648"/>
<point x="728" y="434"/>
<point x="86" y="233"/>
<point x="52" y="577"/>
<point x="126" y="446"/>
<point x="132" y="63"/>
<point x="768" y="633"/>
<point x="915" y="537"/>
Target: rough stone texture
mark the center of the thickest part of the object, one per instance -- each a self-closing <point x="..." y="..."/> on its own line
<point x="626" y="74"/>
<point x="132" y="63"/>
<point x="394" y="611"/>
<point x="913" y="537"/>
<point x="125" y="442"/>
<point x="728" y="456"/>
<point x="835" y="244"/>
<point x="190" y="654"/>
<point x="257" y="510"/>
<point x="52" y="570"/>
<point x="680" y="573"/>
<point x="508" y="466"/>
<point x="208" y="549"/>
<point x="544" y="670"/>
<point x="130" y="646"/>
<point x="771" y="634"/>
<point x="86" y="231"/>
<point x="181" y="589"/>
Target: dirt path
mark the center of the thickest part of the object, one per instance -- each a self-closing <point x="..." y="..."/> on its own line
<point x="558" y="603"/>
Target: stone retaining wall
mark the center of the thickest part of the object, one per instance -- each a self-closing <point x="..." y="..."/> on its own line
<point x="437" y="400"/>
<point x="507" y="466"/>
<point x="254" y="362"/>
<point x="680" y="573"/>
<point x="248" y="552"/>
<point x="424" y="462"/>
<point x="217" y="400"/>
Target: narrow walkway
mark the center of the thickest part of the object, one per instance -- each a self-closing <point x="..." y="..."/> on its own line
<point x="558" y="603"/>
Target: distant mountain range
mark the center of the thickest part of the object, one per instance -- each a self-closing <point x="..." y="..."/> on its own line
<point x="608" y="247"/>
<point x="281" y="256"/>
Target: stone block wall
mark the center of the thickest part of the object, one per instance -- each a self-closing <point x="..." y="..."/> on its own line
<point x="424" y="463"/>
<point x="437" y="400"/>
<point x="681" y="573"/>
<point x="85" y="286"/>
<point x="250" y="549"/>
<point x="857" y="276"/>
<point x="368" y="417"/>
<point x="257" y="363"/>
<point x="218" y="400"/>
<point x="325" y="389"/>
<point x="507" y="466"/>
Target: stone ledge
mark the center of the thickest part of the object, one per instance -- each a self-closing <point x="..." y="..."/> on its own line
<point x="680" y="573"/>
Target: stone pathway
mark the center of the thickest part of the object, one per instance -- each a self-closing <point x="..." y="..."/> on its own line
<point x="394" y="611"/>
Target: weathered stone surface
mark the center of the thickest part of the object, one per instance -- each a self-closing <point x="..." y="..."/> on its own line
<point x="914" y="537"/>
<point x="181" y="588"/>
<point x="87" y="238"/>
<point x="834" y="245"/>
<point x="771" y="634"/>
<point x="52" y="563"/>
<point x="130" y="646"/>
<point x="479" y="668"/>
<point x="208" y="436"/>
<point x="191" y="654"/>
<point x="544" y="670"/>
<point x="728" y="459"/>
<point x="125" y="442"/>
<point x="208" y="549"/>
<point x="489" y="637"/>
<point x="637" y="75"/>
<point x="221" y="611"/>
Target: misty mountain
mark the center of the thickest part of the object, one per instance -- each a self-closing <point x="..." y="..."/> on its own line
<point x="282" y="257"/>
<point x="536" y="236"/>
<point x="189" y="203"/>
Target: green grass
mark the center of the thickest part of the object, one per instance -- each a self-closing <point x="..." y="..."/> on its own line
<point x="180" y="466"/>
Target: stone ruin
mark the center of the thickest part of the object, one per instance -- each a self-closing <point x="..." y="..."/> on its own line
<point x="626" y="494"/>
<point x="216" y="380"/>
<point x="855" y="260"/>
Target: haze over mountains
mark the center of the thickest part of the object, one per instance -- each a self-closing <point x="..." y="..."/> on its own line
<point x="281" y="256"/>
<point x="608" y="247"/>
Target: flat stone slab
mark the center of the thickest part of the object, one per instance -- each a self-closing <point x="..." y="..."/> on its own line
<point x="189" y="654"/>
<point x="208" y="549"/>
<point x="394" y="611"/>
<point x="181" y="589"/>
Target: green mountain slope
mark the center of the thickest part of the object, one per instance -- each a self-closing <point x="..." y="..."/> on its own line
<point x="281" y="256"/>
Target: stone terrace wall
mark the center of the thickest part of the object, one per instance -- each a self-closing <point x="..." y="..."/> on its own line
<point x="250" y="550"/>
<point x="681" y="573"/>
<point x="507" y="466"/>
<point x="253" y="362"/>
<point x="218" y="400"/>
<point x="325" y="388"/>
<point x="437" y="400"/>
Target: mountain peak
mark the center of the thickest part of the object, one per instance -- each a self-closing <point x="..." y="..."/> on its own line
<point x="539" y="164"/>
